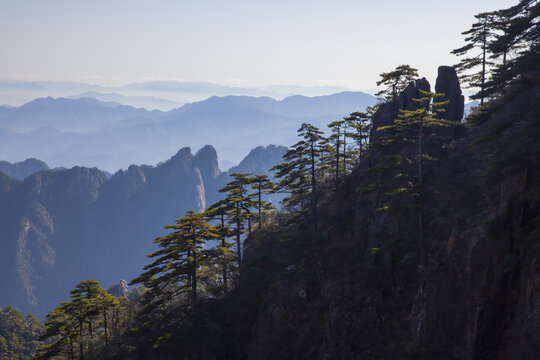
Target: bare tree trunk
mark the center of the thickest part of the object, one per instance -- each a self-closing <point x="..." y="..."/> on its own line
<point x="484" y="45"/>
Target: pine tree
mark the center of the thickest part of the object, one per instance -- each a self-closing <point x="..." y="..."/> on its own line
<point x="519" y="36"/>
<point x="174" y="270"/>
<point x="18" y="334"/>
<point x="83" y="309"/>
<point x="336" y="141"/>
<point x="479" y="36"/>
<point x="219" y="211"/>
<point x="261" y="184"/>
<point x="395" y="81"/>
<point x="68" y="324"/>
<point x="238" y="204"/>
<point x="299" y="172"/>
<point x="61" y="332"/>
<point x="360" y="122"/>
<point x="107" y="304"/>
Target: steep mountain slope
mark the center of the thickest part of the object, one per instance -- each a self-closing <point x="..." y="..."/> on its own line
<point x="65" y="225"/>
<point x="369" y="285"/>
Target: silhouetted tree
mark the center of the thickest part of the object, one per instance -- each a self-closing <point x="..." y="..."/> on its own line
<point x="477" y="37"/>
<point x="298" y="173"/>
<point x="261" y="184"/>
<point x="174" y="269"/>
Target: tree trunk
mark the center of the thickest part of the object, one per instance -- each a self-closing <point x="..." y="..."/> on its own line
<point x="224" y="262"/>
<point x="81" y="346"/>
<point x="344" y="149"/>
<point x="484" y="45"/>
<point x="313" y="190"/>
<point x="337" y="159"/>
<point x="116" y="327"/>
<point x="194" y="285"/>
<point x="105" y="326"/>
<point x="260" y="206"/>
<point x="71" y="351"/>
<point x="238" y="241"/>
<point x="249" y="224"/>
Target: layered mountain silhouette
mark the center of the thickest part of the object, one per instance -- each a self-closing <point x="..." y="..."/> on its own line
<point x="60" y="226"/>
<point x="92" y="133"/>
<point x="148" y="94"/>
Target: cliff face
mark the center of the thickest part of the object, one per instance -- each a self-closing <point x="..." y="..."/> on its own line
<point x="36" y="215"/>
<point x="63" y="226"/>
<point x="359" y="290"/>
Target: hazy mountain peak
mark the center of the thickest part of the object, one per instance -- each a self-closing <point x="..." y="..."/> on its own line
<point x="21" y="170"/>
<point x="206" y="160"/>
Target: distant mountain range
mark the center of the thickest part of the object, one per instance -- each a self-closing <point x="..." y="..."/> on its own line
<point x="147" y="102"/>
<point x="163" y="95"/>
<point x="61" y="226"/>
<point x="88" y="132"/>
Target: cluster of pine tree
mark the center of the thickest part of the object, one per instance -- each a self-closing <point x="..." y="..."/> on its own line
<point x="82" y="325"/>
<point x="502" y="49"/>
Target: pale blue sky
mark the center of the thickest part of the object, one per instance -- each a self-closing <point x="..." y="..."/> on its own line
<point x="234" y="42"/>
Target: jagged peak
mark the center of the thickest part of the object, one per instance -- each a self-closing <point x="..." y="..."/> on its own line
<point x="206" y="159"/>
<point x="207" y="151"/>
<point x="181" y="155"/>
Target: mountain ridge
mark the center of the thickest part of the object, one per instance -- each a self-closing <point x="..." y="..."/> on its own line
<point x="112" y="137"/>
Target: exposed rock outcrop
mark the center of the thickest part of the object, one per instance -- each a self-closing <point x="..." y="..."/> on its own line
<point x="120" y="289"/>
<point x="389" y="111"/>
<point x="448" y="84"/>
<point x="412" y="91"/>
